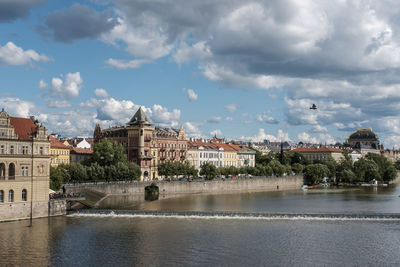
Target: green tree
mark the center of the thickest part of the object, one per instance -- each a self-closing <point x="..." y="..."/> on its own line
<point x="209" y="170"/>
<point x="107" y="153"/>
<point x="56" y="180"/>
<point x="297" y="168"/>
<point x="315" y="172"/>
<point x="366" y="170"/>
<point x="386" y="168"/>
<point x="277" y="168"/>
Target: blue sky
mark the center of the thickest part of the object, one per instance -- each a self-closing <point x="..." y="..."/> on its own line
<point x="246" y="70"/>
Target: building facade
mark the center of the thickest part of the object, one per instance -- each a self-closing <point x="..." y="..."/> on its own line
<point x="145" y="144"/>
<point x="59" y="153"/>
<point x="24" y="167"/>
<point x="321" y="154"/>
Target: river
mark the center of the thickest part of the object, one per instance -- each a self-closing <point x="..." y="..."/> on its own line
<point x="355" y="233"/>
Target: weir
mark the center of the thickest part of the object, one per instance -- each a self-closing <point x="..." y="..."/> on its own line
<point x="238" y="215"/>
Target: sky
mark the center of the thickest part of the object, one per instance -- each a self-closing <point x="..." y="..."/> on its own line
<point x="244" y="70"/>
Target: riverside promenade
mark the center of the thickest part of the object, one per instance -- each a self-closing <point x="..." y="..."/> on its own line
<point x="96" y="193"/>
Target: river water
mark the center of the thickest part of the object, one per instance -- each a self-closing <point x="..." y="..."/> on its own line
<point x="352" y="227"/>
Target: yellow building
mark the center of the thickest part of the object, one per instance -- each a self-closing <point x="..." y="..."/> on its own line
<point x="24" y="168"/>
<point x="59" y="152"/>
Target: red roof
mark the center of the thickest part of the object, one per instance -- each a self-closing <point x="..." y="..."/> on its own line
<point x="321" y="149"/>
<point x="55" y="143"/>
<point x="23" y="127"/>
<point x="77" y="150"/>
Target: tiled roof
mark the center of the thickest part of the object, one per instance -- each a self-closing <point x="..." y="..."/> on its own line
<point x="55" y="143"/>
<point x="240" y="147"/>
<point x="321" y="149"/>
<point x="23" y="127"/>
<point x="77" y="150"/>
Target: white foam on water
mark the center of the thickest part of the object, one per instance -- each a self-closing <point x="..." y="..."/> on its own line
<point x="233" y="217"/>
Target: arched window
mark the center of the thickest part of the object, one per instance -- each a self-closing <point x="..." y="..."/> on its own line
<point x="11" y="196"/>
<point x="1" y="196"/>
<point x="11" y="171"/>
<point x="24" y="195"/>
<point x="2" y="171"/>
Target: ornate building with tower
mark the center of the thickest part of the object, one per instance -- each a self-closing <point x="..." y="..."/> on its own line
<point x="145" y="144"/>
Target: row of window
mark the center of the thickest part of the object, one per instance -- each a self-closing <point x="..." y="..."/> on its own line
<point x="24" y="195"/>
<point x="59" y="161"/>
<point x="183" y="146"/>
<point x="60" y="152"/>
<point x="22" y="149"/>
<point x="210" y="155"/>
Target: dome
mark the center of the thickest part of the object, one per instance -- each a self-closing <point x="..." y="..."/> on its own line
<point x="363" y="134"/>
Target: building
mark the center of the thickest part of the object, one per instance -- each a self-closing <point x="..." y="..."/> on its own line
<point x="59" y="153"/>
<point x="145" y="144"/>
<point x="78" y="154"/>
<point x="205" y="152"/>
<point x="246" y="157"/>
<point x="321" y="153"/>
<point x="24" y="167"/>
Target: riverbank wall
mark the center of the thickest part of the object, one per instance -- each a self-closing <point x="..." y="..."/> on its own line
<point x="22" y="210"/>
<point x="135" y="190"/>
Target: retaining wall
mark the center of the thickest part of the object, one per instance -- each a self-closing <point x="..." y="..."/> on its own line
<point x="179" y="188"/>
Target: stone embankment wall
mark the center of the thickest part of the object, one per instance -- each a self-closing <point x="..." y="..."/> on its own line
<point x="181" y="188"/>
<point x="22" y="210"/>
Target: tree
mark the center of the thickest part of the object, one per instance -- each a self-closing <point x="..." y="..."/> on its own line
<point x="277" y="168"/>
<point x="297" y="168"/>
<point x="386" y="168"/>
<point x="315" y="172"/>
<point x="209" y="170"/>
<point x="56" y="180"/>
<point x="366" y="170"/>
<point x="107" y="153"/>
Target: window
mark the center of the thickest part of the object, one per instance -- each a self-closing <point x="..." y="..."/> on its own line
<point x="11" y="149"/>
<point x="41" y="150"/>
<point x="24" y="171"/>
<point x="11" y="196"/>
<point x="2" y="149"/>
<point x="24" y="195"/>
<point x="1" y="196"/>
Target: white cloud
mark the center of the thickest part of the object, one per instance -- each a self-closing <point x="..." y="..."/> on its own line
<point x="12" y="55"/>
<point x="232" y="107"/>
<point x="217" y="133"/>
<point x="321" y="139"/>
<point x="192" y="96"/>
<point x="66" y="89"/>
<point x="16" y="107"/>
<point x="52" y="103"/>
<point x="261" y="136"/>
<point x="265" y="118"/>
<point x="192" y="130"/>
<point x="229" y="119"/>
<point x="215" y="119"/>
<point x="319" y="129"/>
<point x="125" y="64"/>
<point x="101" y="93"/>
<point x="43" y="84"/>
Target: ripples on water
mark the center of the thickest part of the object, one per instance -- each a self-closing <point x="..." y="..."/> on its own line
<point x="114" y="240"/>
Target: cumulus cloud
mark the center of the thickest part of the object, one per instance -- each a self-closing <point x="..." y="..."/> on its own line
<point x="232" y="107"/>
<point x="11" y="10"/>
<point x="17" y="107"/>
<point x="216" y="132"/>
<point x="12" y="55"/>
<point x="215" y="119"/>
<point x="101" y="93"/>
<point x="192" y="129"/>
<point x="43" y="84"/>
<point x="191" y="94"/>
<point x="265" y="118"/>
<point x="261" y="136"/>
<point x="78" y="22"/>
<point x="126" y="64"/>
<point x="321" y="139"/>
<point x="319" y="129"/>
<point x="68" y="88"/>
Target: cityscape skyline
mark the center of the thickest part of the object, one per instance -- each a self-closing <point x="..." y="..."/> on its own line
<point x="205" y="70"/>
